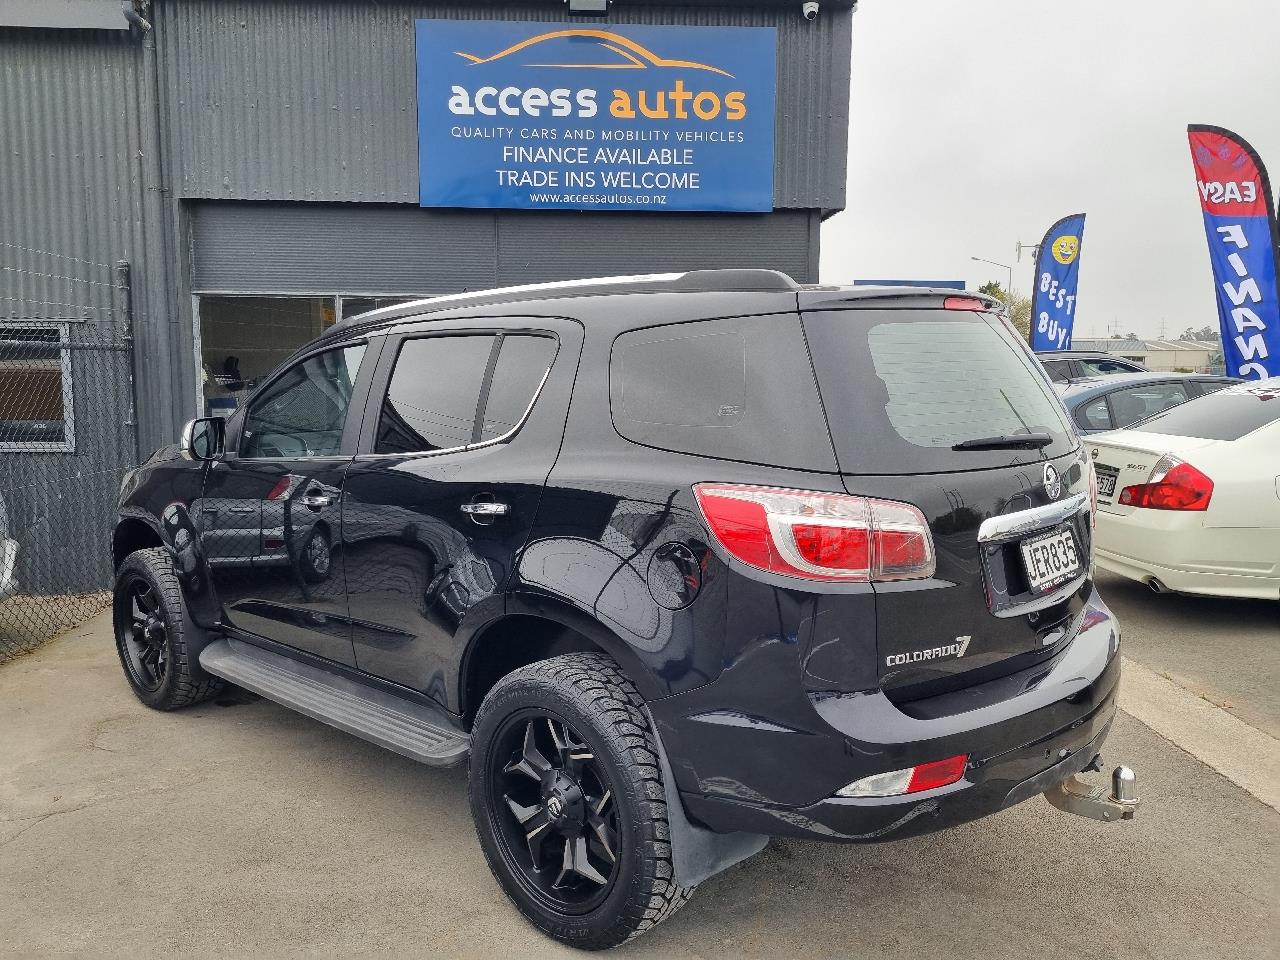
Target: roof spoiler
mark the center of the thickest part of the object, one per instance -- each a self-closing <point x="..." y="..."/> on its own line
<point x="736" y="280"/>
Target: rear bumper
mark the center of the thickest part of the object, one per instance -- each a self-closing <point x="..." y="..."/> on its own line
<point x="989" y="786"/>
<point x="1185" y="555"/>
<point x="1024" y="734"/>
<point x="1191" y="579"/>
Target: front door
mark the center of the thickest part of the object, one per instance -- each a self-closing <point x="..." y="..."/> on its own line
<point x="272" y="508"/>
<point x="456" y="450"/>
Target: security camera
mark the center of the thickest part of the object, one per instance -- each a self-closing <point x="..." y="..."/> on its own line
<point x="809" y="11"/>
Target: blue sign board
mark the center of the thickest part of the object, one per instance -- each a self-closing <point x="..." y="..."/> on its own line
<point x="1053" y="305"/>
<point x="544" y="116"/>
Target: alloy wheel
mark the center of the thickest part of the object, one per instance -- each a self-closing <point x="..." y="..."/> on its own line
<point x="144" y="634"/>
<point x="556" y="812"/>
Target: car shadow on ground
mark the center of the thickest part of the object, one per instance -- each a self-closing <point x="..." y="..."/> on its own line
<point x="1024" y="876"/>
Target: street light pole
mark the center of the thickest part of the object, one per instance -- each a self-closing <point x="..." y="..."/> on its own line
<point x="1005" y="266"/>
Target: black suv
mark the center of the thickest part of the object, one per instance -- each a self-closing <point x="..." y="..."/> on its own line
<point x="677" y="562"/>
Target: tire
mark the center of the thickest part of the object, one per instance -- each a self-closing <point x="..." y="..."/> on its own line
<point x="316" y="559"/>
<point x="598" y="714"/>
<point x="155" y="638"/>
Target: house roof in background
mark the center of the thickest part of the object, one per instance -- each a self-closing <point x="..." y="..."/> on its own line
<point x="1126" y="345"/>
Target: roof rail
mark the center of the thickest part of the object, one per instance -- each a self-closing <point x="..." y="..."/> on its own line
<point x="692" y="281"/>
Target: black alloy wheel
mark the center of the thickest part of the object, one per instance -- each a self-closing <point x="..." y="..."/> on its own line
<point x="158" y="644"/>
<point x="143" y="634"/>
<point x="560" y="827"/>
<point x="569" y="803"/>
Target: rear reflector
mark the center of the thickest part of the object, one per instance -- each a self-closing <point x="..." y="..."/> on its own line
<point x="963" y="303"/>
<point x="896" y="783"/>
<point x="1173" y="485"/>
<point x="818" y="536"/>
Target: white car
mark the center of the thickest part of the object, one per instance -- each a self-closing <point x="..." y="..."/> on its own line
<point x="1189" y="499"/>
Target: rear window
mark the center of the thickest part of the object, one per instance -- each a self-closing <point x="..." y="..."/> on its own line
<point x="734" y="389"/>
<point x="1226" y="415"/>
<point x="901" y="387"/>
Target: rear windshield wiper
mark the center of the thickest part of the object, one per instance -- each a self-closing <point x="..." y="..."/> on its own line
<point x="1017" y="441"/>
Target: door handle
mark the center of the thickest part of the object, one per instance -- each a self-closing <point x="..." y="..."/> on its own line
<point x="485" y="508"/>
<point x="316" y="501"/>
<point x="242" y="509"/>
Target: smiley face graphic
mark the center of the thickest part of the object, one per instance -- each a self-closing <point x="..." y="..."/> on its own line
<point x="1065" y="249"/>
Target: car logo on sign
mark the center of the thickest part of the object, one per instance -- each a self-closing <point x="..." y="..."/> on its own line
<point x="1052" y="482"/>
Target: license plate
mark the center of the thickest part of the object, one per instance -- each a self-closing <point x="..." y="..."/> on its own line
<point x="1107" y="477"/>
<point x="1050" y="560"/>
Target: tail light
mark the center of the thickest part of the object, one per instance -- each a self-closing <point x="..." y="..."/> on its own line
<point x="963" y="303"/>
<point x="895" y="783"/>
<point x="282" y="487"/>
<point x="818" y="536"/>
<point x="1173" y="485"/>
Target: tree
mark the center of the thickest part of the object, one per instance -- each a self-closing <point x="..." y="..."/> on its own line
<point x="1209" y="333"/>
<point x="1017" y="307"/>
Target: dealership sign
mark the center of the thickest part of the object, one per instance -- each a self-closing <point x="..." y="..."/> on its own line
<point x="1239" y="221"/>
<point x="546" y="116"/>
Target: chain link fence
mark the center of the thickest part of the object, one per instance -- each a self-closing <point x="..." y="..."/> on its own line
<point x="67" y="436"/>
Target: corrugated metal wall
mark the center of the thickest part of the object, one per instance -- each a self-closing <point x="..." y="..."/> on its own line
<point x="73" y="201"/>
<point x="282" y="100"/>
<point x="366" y="249"/>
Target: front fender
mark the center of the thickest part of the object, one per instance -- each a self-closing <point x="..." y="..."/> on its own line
<point x="178" y="535"/>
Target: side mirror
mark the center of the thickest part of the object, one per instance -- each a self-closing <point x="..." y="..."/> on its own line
<point x="203" y="439"/>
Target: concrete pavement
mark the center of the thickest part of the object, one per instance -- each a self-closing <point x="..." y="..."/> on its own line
<point x="1225" y="650"/>
<point x="243" y="829"/>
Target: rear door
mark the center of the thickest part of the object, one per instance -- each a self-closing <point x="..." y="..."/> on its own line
<point x="463" y="427"/>
<point x="903" y="387"/>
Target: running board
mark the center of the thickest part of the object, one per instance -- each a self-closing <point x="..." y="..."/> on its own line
<point x="410" y="729"/>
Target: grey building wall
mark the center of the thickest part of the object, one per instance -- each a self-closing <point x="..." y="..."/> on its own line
<point x="77" y="194"/>
<point x="270" y="146"/>
<point x="309" y="108"/>
<point x="321" y="248"/>
<point x="281" y="100"/>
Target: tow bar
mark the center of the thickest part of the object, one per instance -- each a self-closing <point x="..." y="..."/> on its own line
<point x="1082" y="798"/>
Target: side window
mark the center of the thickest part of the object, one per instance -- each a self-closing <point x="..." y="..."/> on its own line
<point x="1102" y="368"/>
<point x="303" y="412"/>
<point x="736" y="389"/>
<point x="523" y="363"/>
<point x="1137" y="403"/>
<point x="1200" y="388"/>
<point x="1094" y="415"/>
<point x="433" y="394"/>
<point x="447" y="392"/>
<point x="36" y="408"/>
<point x="1058" y="370"/>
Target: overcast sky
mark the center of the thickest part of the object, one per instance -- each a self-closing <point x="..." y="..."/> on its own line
<point x="977" y="123"/>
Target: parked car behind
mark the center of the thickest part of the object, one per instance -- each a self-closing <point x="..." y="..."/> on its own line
<point x="1078" y="364"/>
<point x="1189" y="500"/>
<point x="1110" y="403"/>
<point x="8" y="556"/>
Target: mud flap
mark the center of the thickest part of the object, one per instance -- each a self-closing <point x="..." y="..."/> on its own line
<point x="696" y="852"/>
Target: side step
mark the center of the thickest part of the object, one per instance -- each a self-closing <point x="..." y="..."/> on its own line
<point x="411" y="729"/>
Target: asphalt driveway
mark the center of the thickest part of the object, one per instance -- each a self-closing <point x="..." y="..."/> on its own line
<point x="242" y="829"/>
